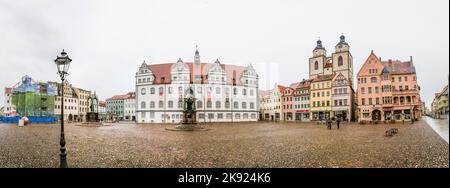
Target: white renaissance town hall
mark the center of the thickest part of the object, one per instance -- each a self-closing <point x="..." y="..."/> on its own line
<point x="224" y="93"/>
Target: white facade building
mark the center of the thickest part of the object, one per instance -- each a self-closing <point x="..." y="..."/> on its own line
<point x="271" y="104"/>
<point x="129" y="107"/>
<point x="224" y="93"/>
<point x="8" y="108"/>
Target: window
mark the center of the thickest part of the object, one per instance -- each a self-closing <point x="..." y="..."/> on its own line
<point x="340" y="61"/>
<point x="373" y="80"/>
<point x="161" y="90"/>
<point x="199" y="104"/>
<point x="370" y="101"/>
<point x="170" y="105"/>
<point x="228" y="116"/>
<point x="363" y="101"/>
<point x="377" y="101"/>
<point x="328" y="93"/>
<point x="217" y="90"/>
<point x="227" y="104"/>
<point x="252" y="105"/>
<point x="201" y="116"/>
<point x="180" y="103"/>
<point x="210" y="116"/>
<point x="399" y="79"/>
<point x="376" y="90"/>
<point x="219" y="116"/>
<point x="152" y="90"/>
<point x="199" y="90"/>
<point x="245" y="116"/>
<point x="218" y="104"/>
<point x="406" y="79"/>
<point x="370" y="90"/>
<point x="316" y="65"/>
<point x="236" y="105"/>
<point x="160" y="104"/>
<point x="244" y="105"/>
<point x="252" y="92"/>
<point x="142" y="114"/>
<point x="244" y="92"/>
<point x="170" y="90"/>
<point x="235" y="92"/>
<point x="237" y="116"/>
<point x="152" y="104"/>
<point x="143" y="105"/>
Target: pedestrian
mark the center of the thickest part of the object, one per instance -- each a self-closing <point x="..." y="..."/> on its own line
<point x="338" y="121"/>
<point x="328" y="123"/>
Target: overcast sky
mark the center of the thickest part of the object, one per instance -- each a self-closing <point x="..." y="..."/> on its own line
<point x="108" y="40"/>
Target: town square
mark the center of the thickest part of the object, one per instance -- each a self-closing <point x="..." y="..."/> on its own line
<point x="241" y="145"/>
<point x="252" y="89"/>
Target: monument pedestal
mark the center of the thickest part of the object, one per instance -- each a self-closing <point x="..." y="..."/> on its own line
<point x="189" y="122"/>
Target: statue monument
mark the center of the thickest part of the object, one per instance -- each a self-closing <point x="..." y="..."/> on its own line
<point x="92" y="115"/>
<point x="92" y="119"/>
<point x="189" y="122"/>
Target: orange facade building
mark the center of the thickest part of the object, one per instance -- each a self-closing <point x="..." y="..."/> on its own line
<point x="388" y="90"/>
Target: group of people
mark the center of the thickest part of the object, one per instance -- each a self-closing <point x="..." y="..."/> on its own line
<point x="329" y="121"/>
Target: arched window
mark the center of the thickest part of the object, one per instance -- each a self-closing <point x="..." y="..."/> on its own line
<point x="199" y="104"/>
<point x="244" y="105"/>
<point x="152" y="104"/>
<point x="227" y="104"/>
<point x="170" y="105"/>
<point x="209" y="104"/>
<point x="143" y="91"/>
<point x="236" y="105"/>
<point x="143" y="105"/>
<point x="340" y="61"/>
<point x="152" y="90"/>
<point x="218" y="104"/>
<point x="373" y="79"/>
<point x="252" y="105"/>
<point x="316" y="65"/>
<point x="160" y="104"/>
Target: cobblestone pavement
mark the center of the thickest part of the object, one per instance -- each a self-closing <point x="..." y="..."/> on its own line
<point x="226" y="145"/>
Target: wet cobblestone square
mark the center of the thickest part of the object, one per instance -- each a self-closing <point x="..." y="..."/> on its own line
<point x="226" y="145"/>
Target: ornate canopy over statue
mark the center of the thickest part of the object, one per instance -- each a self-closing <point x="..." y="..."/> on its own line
<point x="189" y="100"/>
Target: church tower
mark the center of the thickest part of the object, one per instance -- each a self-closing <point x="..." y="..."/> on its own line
<point x="342" y="59"/>
<point x="317" y="62"/>
<point x="197" y="55"/>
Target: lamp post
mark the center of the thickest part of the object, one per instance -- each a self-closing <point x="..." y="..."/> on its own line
<point x="63" y="63"/>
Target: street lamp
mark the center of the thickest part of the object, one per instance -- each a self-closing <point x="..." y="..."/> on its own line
<point x="63" y="63"/>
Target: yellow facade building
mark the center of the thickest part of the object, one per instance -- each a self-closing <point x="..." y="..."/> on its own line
<point x="321" y="97"/>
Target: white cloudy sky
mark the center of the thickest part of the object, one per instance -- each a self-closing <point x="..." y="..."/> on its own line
<point x="108" y="40"/>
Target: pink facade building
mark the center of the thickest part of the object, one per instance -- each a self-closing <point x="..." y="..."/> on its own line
<point x="295" y="101"/>
<point x="388" y="90"/>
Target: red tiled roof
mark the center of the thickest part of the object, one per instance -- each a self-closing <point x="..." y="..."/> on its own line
<point x="399" y="67"/>
<point x="118" y="97"/>
<point x="162" y="72"/>
<point x="281" y="88"/>
<point x="328" y="65"/>
<point x="129" y="95"/>
<point x="324" y="77"/>
<point x="102" y="103"/>
<point x="8" y="90"/>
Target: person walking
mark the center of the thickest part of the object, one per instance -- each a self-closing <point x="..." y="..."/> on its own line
<point x="338" y="121"/>
<point x="328" y="123"/>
